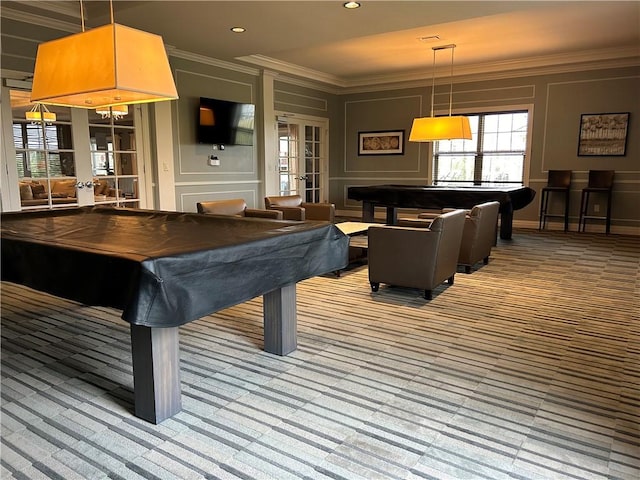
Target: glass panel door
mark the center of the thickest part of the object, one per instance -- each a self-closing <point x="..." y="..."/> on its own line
<point x="302" y="162"/>
<point x="45" y="158"/>
<point x="114" y="160"/>
<point x="312" y="168"/>
<point x="288" y="158"/>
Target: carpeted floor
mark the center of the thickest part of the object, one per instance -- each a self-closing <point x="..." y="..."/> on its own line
<point x="528" y="368"/>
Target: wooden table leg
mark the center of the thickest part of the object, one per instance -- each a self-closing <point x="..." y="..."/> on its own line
<point x="368" y="212"/>
<point x="392" y="216"/>
<point x="156" y="372"/>
<point x="280" y="322"/>
<point x="506" y="224"/>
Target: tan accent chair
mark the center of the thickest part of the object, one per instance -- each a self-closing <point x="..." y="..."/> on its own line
<point x="236" y="207"/>
<point x="293" y="208"/>
<point x="416" y="257"/>
<point x="479" y="235"/>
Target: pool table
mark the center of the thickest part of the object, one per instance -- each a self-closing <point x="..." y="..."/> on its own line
<point x="436" y="197"/>
<point x="164" y="269"/>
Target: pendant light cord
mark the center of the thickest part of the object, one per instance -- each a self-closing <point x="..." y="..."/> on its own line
<point x="452" y="47"/>
<point x="433" y="81"/>
<point x="82" y="12"/>
<point x="451" y="83"/>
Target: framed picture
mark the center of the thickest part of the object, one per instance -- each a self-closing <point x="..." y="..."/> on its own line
<point x="603" y="134"/>
<point x="381" y="143"/>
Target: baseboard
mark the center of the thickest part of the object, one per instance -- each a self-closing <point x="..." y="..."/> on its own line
<point x="555" y="226"/>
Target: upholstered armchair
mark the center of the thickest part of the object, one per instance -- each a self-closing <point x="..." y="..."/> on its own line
<point x="416" y="257"/>
<point x="479" y="235"/>
<point x="293" y="208"/>
<point x="236" y="207"/>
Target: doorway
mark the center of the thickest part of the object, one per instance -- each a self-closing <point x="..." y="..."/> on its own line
<point x="302" y="157"/>
<point x="47" y="157"/>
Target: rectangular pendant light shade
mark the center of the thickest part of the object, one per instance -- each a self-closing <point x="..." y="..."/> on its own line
<point x="105" y="66"/>
<point x="431" y="129"/>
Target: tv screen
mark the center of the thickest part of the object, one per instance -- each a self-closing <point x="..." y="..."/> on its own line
<point x="225" y="123"/>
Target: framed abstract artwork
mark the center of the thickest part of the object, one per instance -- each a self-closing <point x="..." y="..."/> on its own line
<point x="603" y="134"/>
<point x="381" y="143"/>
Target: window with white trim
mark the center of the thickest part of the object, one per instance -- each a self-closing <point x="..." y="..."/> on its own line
<point x="494" y="156"/>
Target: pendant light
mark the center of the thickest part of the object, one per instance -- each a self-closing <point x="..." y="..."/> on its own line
<point x="38" y="113"/>
<point x="116" y="111"/>
<point x="105" y="66"/>
<point x="431" y="129"/>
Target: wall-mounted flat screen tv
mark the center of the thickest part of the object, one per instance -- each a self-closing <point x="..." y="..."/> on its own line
<point x="221" y="122"/>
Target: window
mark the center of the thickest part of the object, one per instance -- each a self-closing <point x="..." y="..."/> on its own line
<point x="495" y="155"/>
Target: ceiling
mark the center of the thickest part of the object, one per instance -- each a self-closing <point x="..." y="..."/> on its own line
<point x="382" y="41"/>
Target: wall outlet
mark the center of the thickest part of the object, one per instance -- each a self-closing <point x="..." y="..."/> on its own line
<point x="596" y="208"/>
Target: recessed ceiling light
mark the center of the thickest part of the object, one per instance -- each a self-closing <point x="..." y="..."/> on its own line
<point x="238" y="29"/>
<point x="351" y="5"/>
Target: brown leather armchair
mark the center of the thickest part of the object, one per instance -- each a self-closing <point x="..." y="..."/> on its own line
<point x="416" y="257"/>
<point x="479" y="235"/>
<point x="293" y="208"/>
<point x="236" y="207"/>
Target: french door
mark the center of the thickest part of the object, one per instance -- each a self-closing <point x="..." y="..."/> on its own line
<point x="45" y="157"/>
<point x="49" y="157"/>
<point x="302" y="157"/>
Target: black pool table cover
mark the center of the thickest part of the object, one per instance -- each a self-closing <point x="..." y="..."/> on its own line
<point x="163" y="269"/>
<point x="437" y="196"/>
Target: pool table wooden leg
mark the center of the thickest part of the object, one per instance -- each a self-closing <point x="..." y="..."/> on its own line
<point x="368" y="212"/>
<point x="506" y="224"/>
<point x="280" y="322"/>
<point x="156" y="372"/>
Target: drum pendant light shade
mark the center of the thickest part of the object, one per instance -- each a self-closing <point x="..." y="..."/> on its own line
<point x="429" y="129"/>
<point x="106" y="66"/>
<point x="432" y="129"/>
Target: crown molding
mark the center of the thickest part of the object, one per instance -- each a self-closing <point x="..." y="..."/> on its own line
<point x="39" y="20"/>
<point x="70" y="9"/>
<point x="195" y="57"/>
<point x="292" y="69"/>
<point x="478" y="74"/>
<point x="557" y="63"/>
<point x="542" y="65"/>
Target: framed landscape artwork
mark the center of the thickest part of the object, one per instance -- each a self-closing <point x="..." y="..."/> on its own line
<point x="603" y="134"/>
<point x="381" y="143"/>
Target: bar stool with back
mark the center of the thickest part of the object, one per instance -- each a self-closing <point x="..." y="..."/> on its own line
<point x="600" y="182"/>
<point x="558" y="181"/>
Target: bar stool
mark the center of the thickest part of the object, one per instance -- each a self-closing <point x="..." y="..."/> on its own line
<point x="600" y="182"/>
<point x="557" y="181"/>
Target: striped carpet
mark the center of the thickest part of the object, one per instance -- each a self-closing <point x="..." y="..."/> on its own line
<point x="528" y="368"/>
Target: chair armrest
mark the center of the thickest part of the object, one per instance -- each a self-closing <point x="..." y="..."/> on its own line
<point x="428" y="215"/>
<point x="414" y="222"/>
<point x="257" y="213"/>
<point x="290" y="213"/>
<point x="320" y="211"/>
